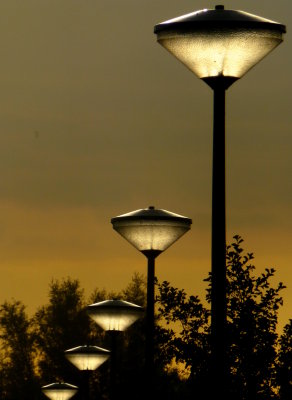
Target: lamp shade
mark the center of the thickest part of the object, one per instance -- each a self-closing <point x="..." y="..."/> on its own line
<point x="87" y="357"/>
<point x="219" y="42"/>
<point x="151" y="229"/>
<point x="59" y="391"/>
<point x="114" y="315"/>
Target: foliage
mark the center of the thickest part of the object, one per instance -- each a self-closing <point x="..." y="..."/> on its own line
<point x="284" y="369"/>
<point x="60" y="325"/>
<point x="252" y="311"/>
<point x="17" y="353"/>
<point x="186" y="338"/>
<point x="259" y="361"/>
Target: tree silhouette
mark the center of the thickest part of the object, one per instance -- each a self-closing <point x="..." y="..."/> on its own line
<point x="17" y="353"/>
<point x="252" y="312"/>
<point x="252" y="306"/>
<point x="284" y="369"/>
<point x="259" y="361"/>
<point x="60" y="325"/>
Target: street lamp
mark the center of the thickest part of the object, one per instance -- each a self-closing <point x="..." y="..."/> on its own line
<point x="151" y="231"/>
<point x="114" y="316"/>
<point x="219" y="46"/>
<point x="86" y="359"/>
<point x="59" y="391"/>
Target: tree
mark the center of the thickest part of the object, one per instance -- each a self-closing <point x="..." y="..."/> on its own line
<point x="61" y="324"/>
<point x="252" y="312"/>
<point x="284" y="368"/>
<point x="18" y="379"/>
<point x="253" y="306"/>
<point x="183" y="337"/>
<point x="32" y="350"/>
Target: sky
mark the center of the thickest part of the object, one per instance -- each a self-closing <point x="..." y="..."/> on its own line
<point x="97" y="119"/>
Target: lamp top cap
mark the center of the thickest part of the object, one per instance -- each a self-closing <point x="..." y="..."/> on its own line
<point x="151" y="213"/>
<point x="115" y="304"/>
<point x="59" y="386"/>
<point x="87" y="350"/>
<point x="218" y="17"/>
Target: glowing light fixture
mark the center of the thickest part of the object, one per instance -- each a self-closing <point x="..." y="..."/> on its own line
<point x="114" y="315"/>
<point x="59" y="391"/>
<point x="87" y="357"/>
<point x="150" y="229"/>
<point x="219" y="42"/>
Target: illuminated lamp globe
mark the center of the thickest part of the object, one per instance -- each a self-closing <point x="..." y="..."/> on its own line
<point x="87" y="358"/>
<point x="114" y="315"/>
<point x="150" y="229"/>
<point x="59" y="391"/>
<point x="219" y="43"/>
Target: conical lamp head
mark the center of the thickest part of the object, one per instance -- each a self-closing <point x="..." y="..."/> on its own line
<point x="114" y="315"/>
<point x="87" y="357"/>
<point x="219" y="42"/>
<point x="151" y="229"/>
<point x="59" y="391"/>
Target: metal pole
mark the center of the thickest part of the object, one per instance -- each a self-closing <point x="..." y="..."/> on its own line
<point x="86" y="392"/>
<point x="149" y="358"/>
<point x="218" y="292"/>
<point x="113" y="365"/>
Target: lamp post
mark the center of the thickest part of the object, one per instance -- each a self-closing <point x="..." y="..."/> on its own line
<point x="151" y="231"/>
<point x="59" y="391"/>
<point x="114" y="316"/>
<point x="219" y="46"/>
<point x="86" y="359"/>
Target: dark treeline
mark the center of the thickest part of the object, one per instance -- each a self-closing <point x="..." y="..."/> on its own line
<point x="259" y="358"/>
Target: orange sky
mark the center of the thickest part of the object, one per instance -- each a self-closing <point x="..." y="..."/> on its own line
<point x="96" y="120"/>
